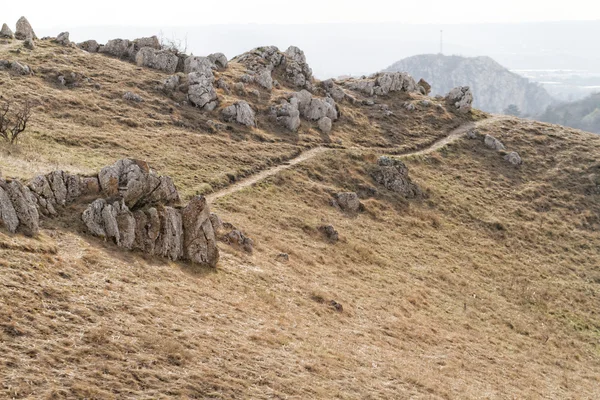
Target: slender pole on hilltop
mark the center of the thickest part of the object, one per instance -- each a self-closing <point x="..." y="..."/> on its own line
<point x="441" y="42"/>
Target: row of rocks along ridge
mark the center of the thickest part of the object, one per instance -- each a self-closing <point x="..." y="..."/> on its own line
<point x="134" y="207"/>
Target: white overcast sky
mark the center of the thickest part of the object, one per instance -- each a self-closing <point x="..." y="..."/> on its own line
<point x="71" y="13"/>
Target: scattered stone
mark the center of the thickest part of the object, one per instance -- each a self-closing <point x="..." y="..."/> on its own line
<point x="6" y="32"/>
<point x="493" y="143"/>
<point x="63" y="39"/>
<point x="393" y="174"/>
<point x="16" y="67"/>
<point x="461" y="98"/>
<point x="237" y="239"/>
<point x="329" y="232"/>
<point x="91" y="46"/>
<point x="513" y="158"/>
<point x="130" y="96"/>
<point x="409" y="106"/>
<point x="473" y="134"/>
<point x="348" y="201"/>
<point x="333" y="90"/>
<point x="426" y="103"/>
<point x="240" y="88"/>
<point x="337" y="306"/>
<point x="24" y="30"/>
<point x="199" y="243"/>
<point x="162" y="60"/>
<point x="29" y="44"/>
<point x="240" y="112"/>
<point x="216" y="223"/>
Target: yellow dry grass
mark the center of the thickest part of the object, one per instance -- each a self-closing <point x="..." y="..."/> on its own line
<point x="485" y="288"/>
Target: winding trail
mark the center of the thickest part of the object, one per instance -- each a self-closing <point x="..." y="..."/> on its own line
<point x="307" y="155"/>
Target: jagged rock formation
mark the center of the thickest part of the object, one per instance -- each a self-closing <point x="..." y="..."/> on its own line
<point x="382" y="84"/>
<point x="91" y="46"/>
<point x="6" y="32"/>
<point x="240" y="112"/>
<point x="461" y="98"/>
<point x="393" y="174"/>
<point x="162" y="60"/>
<point x="24" y="30"/>
<point x="17" y="208"/>
<point x="494" y="87"/>
<point x="63" y="39"/>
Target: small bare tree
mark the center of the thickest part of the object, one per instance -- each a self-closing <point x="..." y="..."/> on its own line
<point x="176" y="45"/>
<point x="13" y="123"/>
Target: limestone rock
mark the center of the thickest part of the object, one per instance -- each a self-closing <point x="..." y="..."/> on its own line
<point x="171" y="83"/>
<point x="117" y="48"/>
<point x="162" y="60"/>
<point x="8" y="215"/>
<point x="170" y="240"/>
<point x="89" y="185"/>
<point x="287" y="114"/>
<point x="325" y="125"/>
<point x="199" y="243"/>
<point x="348" y="201"/>
<point x="219" y="60"/>
<point x="6" y="32"/>
<point x="24" y="203"/>
<point x="237" y="238"/>
<point x="383" y="84"/>
<point x="333" y="90"/>
<point x="297" y="70"/>
<point x="29" y="44"/>
<point x="513" y="158"/>
<point x="63" y="39"/>
<point x="240" y="112"/>
<point x="424" y="87"/>
<point x="203" y="65"/>
<point x="461" y="98"/>
<point x="91" y="46"/>
<point x="92" y="218"/>
<point x="264" y="79"/>
<point x="393" y="174"/>
<point x="151" y="42"/>
<point x="493" y="143"/>
<point x="201" y="91"/>
<point x="126" y="224"/>
<point x="147" y="230"/>
<point x="216" y="223"/>
<point x="24" y="30"/>
<point x="20" y="69"/>
<point x="260" y="58"/>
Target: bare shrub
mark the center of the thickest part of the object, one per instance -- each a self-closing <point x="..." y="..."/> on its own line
<point x="13" y="120"/>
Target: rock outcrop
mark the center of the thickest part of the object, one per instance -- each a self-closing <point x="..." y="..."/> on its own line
<point x="240" y="112"/>
<point x="297" y="70"/>
<point x="287" y="114"/>
<point x="116" y="47"/>
<point x="162" y="60"/>
<point x="460" y="98"/>
<point x="130" y="96"/>
<point x="15" y="67"/>
<point x="347" y="201"/>
<point x="393" y="174"/>
<point x="6" y="32"/>
<point x="201" y="91"/>
<point x="91" y="46"/>
<point x="24" y="206"/>
<point x="219" y="60"/>
<point x="329" y="232"/>
<point x="382" y="84"/>
<point x="24" y="30"/>
<point x="199" y="240"/>
<point x="63" y="39"/>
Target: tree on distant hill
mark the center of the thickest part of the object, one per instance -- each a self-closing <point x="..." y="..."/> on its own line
<point x="512" y="109"/>
<point x="13" y="123"/>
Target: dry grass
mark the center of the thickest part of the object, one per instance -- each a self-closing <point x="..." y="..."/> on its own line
<point x="486" y="288"/>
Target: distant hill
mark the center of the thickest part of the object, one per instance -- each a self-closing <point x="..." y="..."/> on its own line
<point x="494" y="87"/>
<point x="583" y="114"/>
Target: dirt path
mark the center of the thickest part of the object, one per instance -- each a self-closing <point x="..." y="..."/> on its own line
<point x="251" y="180"/>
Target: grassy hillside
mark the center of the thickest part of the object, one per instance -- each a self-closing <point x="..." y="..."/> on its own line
<point x="487" y="287"/>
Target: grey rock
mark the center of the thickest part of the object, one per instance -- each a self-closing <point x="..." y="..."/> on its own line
<point x="199" y="243"/>
<point x="264" y="79"/>
<point x="240" y="112"/>
<point x="325" y="124"/>
<point x="6" y="32"/>
<point x="126" y="224"/>
<point x="91" y="46"/>
<point x="513" y="158"/>
<point x="237" y="238"/>
<point x="162" y="60"/>
<point x="24" y="30"/>
<point x="201" y="91"/>
<point x="170" y="240"/>
<point x="20" y="69"/>
<point x="147" y="230"/>
<point x="109" y="222"/>
<point x="473" y="134"/>
<point x="329" y="232"/>
<point x="493" y="143"/>
<point x="24" y="203"/>
<point x="116" y="47"/>
<point x="8" y="215"/>
<point x="333" y="90"/>
<point x="29" y="44"/>
<point x="171" y="83"/>
<point x="202" y="65"/>
<point x="219" y="60"/>
<point x="216" y="222"/>
<point x="287" y="114"/>
<point x="63" y="39"/>
<point x="93" y="219"/>
<point x="461" y="98"/>
<point x="297" y="70"/>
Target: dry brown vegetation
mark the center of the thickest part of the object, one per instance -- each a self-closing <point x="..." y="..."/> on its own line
<point x="488" y="287"/>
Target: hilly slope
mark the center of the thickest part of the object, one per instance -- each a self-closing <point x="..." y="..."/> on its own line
<point x="582" y="114"/>
<point x="494" y="87"/>
<point x="483" y="285"/>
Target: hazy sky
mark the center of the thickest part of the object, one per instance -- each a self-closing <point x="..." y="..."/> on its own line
<point x="71" y="13"/>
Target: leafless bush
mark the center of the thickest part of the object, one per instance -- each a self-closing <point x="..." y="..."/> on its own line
<point x="176" y="45"/>
<point x="13" y="121"/>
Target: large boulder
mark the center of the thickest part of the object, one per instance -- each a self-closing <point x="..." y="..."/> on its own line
<point x="347" y="201"/>
<point x="383" y="84"/>
<point x="162" y="60"/>
<point x="24" y="30"/>
<point x="203" y="65"/>
<point x="287" y="114"/>
<point x="393" y="174"/>
<point x="170" y="240"/>
<point x="219" y="60"/>
<point x="199" y="241"/>
<point x="461" y="98"/>
<point x="147" y="229"/>
<point x="6" y="32"/>
<point x="315" y="108"/>
<point x="513" y="158"/>
<point x="15" y="67"/>
<point x="297" y="70"/>
<point x="117" y="48"/>
<point x="63" y="39"/>
<point x="201" y="91"/>
<point x="112" y="221"/>
<point x="240" y="112"/>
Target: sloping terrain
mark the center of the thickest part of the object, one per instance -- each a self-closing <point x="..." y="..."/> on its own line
<point x="494" y="86"/>
<point x="486" y="286"/>
<point x="582" y="114"/>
